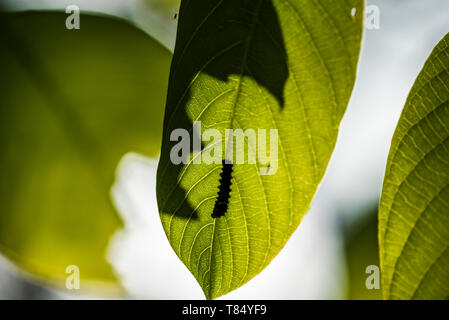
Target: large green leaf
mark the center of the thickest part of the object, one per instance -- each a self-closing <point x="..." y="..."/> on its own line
<point x="283" y="64"/>
<point x="414" y="210"/>
<point x="72" y="103"/>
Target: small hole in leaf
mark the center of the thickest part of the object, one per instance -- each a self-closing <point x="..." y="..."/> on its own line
<point x="353" y="12"/>
<point x="175" y="14"/>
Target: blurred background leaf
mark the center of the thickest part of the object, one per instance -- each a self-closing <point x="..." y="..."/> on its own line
<point x="361" y="250"/>
<point x="158" y="18"/>
<point x="73" y="102"/>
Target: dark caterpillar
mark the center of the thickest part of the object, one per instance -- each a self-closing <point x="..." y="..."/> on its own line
<point x="221" y="204"/>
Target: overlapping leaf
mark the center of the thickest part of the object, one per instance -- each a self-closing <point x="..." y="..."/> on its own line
<point x="253" y="64"/>
<point x="414" y="211"/>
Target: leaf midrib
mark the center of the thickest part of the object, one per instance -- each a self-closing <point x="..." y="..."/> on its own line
<point x="237" y="93"/>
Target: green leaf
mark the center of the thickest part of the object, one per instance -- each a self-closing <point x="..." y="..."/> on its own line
<point x="73" y="102"/>
<point x="253" y="64"/>
<point x="362" y="251"/>
<point x="414" y="210"/>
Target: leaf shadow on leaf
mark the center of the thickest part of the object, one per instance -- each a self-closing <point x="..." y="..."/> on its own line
<point x="230" y="40"/>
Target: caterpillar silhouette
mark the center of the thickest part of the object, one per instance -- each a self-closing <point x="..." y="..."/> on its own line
<point x="222" y="202"/>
